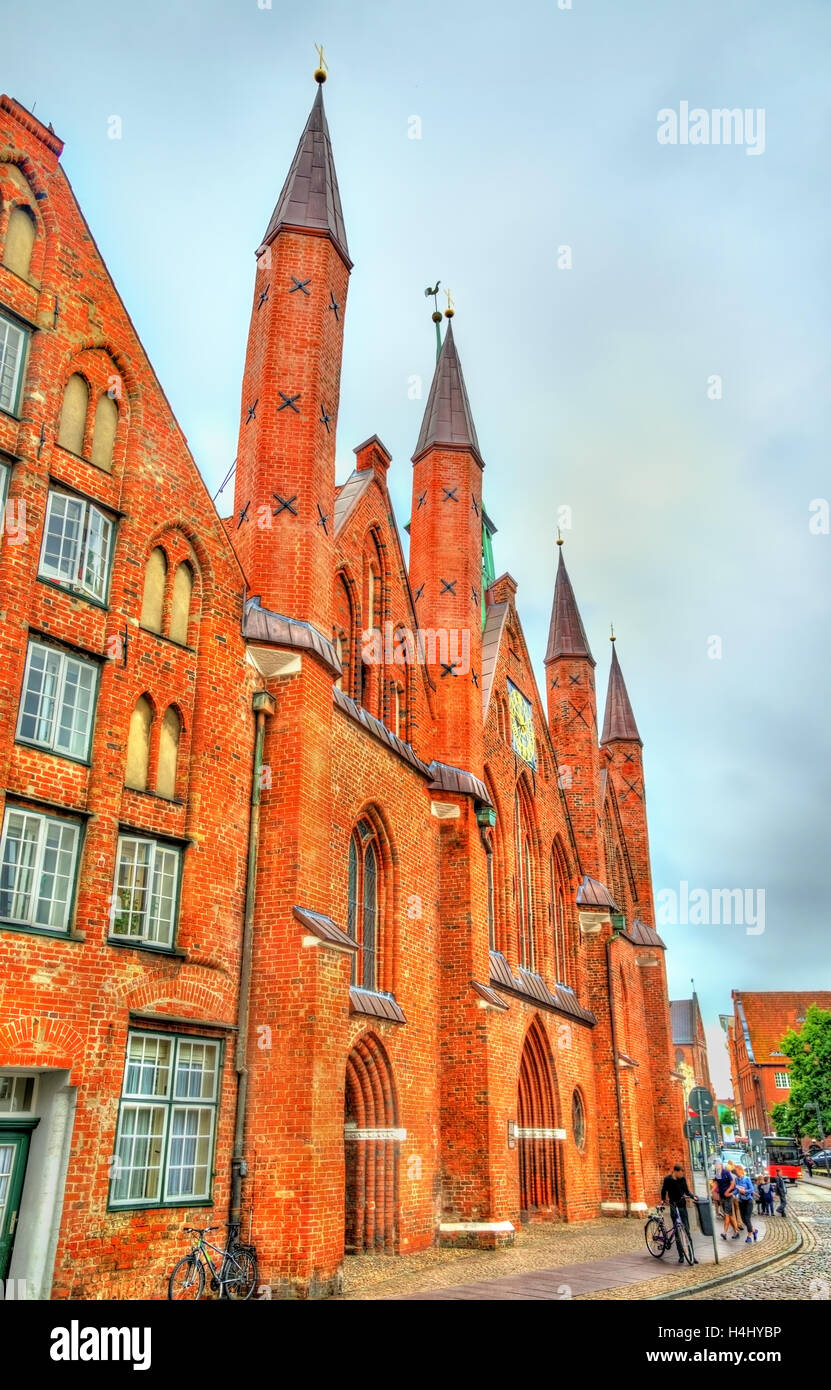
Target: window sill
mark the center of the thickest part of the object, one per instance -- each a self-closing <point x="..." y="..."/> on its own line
<point x="124" y="943"/>
<point x="163" y="637"/>
<point x="26" y="930"/>
<point x="156" y="796"/>
<point x="160" y="1206"/>
<point x="73" y="593"/>
<point x="52" y="752"/>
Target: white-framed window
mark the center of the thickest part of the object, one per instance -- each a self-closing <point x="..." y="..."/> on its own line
<point x="782" y="1080"/>
<point x="12" y="354"/>
<point x="38" y="855"/>
<point x="167" y="1121"/>
<point x="146" y="891"/>
<point x="58" y="698"/>
<point x="77" y="545"/>
<point x="17" y="1094"/>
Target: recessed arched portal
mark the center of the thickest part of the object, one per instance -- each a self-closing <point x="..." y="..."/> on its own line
<point x="371" y="1138"/>
<point x="540" y="1186"/>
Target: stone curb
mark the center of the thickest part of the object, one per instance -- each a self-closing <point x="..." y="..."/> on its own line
<point x="742" y="1273"/>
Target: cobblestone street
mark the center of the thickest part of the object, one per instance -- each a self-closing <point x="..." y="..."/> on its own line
<point x="806" y="1276"/>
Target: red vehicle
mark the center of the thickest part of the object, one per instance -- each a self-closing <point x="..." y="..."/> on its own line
<point x="784" y="1156"/>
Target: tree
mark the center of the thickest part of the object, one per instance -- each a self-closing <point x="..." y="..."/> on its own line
<point x="809" y="1052"/>
<point x="726" y="1116"/>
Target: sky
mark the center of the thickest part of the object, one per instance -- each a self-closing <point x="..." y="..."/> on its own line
<point x="643" y="327"/>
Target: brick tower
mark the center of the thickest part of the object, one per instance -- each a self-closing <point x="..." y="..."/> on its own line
<point x="623" y="757"/>
<point x="446" y="559"/>
<point x="284" y="492"/>
<point x="572" y="719"/>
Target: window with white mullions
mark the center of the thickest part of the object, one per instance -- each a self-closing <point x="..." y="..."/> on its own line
<point x="146" y="891"/>
<point x="58" y="696"/>
<point x="782" y="1080"/>
<point x="37" y="869"/>
<point x="12" y="351"/>
<point x="164" y="1147"/>
<point x="77" y="545"/>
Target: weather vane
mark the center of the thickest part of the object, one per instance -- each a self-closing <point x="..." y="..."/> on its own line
<point x="322" y="65"/>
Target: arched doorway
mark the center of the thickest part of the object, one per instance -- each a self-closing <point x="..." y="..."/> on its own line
<point x="372" y="1138"/>
<point x="540" y="1187"/>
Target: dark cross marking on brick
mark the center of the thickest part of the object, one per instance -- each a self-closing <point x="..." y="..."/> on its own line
<point x="263" y="296"/>
<point x="580" y="714"/>
<point x="286" y="504"/>
<point x="322" y="519"/>
<point x="243" y="516"/>
<point x="448" y="668"/>
<point x="300" y="285"/>
<point x="628" y="757"/>
<point x="448" y="586"/>
<point x="325" y="418"/>
<point x="252" y="411"/>
<point x="289" y="401"/>
<point x="450" y="494"/>
<point x="56" y="313"/>
<point x="475" y="504"/>
<point x="419" y="591"/>
<point x="475" y="678"/>
<point x="474" y="594"/>
<point x="333" y="304"/>
<point x="555" y="684"/>
<point x="575" y="680"/>
<point x="632" y="787"/>
<point x="422" y="499"/>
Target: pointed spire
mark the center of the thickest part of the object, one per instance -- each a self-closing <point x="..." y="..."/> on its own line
<point x="310" y="198"/>
<point x="566" y="634"/>
<point x="619" y="721"/>
<point x="447" y="418"/>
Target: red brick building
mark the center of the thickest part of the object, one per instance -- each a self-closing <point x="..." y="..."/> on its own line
<point x="690" y="1043"/>
<point x="758" y="1068"/>
<point x="310" y="911"/>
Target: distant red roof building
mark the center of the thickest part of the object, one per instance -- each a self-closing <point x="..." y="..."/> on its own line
<point x="758" y="1067"/>
<point x="689" y="1044"/>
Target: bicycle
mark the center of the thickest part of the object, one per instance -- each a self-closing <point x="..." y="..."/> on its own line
<point x="237" y="1276"/>
<point x="659" y="1239"/>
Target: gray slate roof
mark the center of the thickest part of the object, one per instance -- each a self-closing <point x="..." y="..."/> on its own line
<point x="447" y="417"/>
<point x="619" y="721"/>
<point x="681" y="1018"/>
<point x="566" y="634"/>
<point x="310" y="198"/>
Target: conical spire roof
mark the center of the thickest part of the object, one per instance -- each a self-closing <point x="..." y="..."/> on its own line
<point x="447" y="417"/>
<point x="310" y="196"/>
<point x="566" y="634"/>
<point x="619" y="721"/>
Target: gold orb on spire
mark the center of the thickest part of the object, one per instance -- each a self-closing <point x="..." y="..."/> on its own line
<point x="560" y="540"/>
<point x="612" y="637"/>
<point x="322" y="66"/>
<point x="449" y="311"/>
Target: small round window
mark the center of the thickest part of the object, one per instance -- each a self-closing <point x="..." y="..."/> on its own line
<point x="578" y="1121"/>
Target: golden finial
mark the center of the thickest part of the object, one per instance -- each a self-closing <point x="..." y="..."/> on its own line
<point x="322" y="65"/>
<point x="449" y="311"/>
<point x="612" y="638"/>
<point x="560" y="540"/>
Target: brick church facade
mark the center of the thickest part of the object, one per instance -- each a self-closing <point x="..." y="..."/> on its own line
<point x="311" y="913"/>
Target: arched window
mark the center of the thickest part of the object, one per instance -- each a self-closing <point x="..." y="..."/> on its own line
<point x="344" y="620"/>
<point x="578" y="1120"/>
<point x="559" y="910"/>
<point x="180" y="607"/>
<point x="491" y="904"/>
<point x="138" y="745"/>
<point x="155" y="578"/>
<point x="103" y="436"/>
<point x="168" y="753"/>
<point x="363" y="923"/>
<point x="20" y="241"/>
<point x="398" y="710"/>
<point x="525" y="886"/>
<point x="74" y="414"/>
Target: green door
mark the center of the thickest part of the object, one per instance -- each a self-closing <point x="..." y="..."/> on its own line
<point x="14" y="1150"/>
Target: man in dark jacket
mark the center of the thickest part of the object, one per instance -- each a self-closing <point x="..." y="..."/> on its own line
<point x="675" y="1191"/>
<point x="782" y="1194"/>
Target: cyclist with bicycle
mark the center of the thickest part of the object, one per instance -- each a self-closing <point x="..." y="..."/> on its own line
<point x="675" y="1191"/>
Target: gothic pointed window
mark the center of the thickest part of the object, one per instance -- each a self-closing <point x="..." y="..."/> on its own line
<point x="363" y="920"/>
<point x="180" y="603"/>
<point x="525" y="886"/>
<point x="344" y="622"/>
<point x="20" y="241"/>
<point x="562" y="943"/>
<point x="155" y="579"/>
<point x="138" y="745"/>
<point x="168" y="754"/>
<point x="103" y="433"/>
<point x="74" y="409"/>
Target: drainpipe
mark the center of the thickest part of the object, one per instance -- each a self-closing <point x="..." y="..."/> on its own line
<point x="625" y="1166"/>
<point x="263" y="705"/>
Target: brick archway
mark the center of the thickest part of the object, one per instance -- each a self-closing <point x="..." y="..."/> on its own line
<point x="540" y="1185"/>
<point x="371" y="1139"/>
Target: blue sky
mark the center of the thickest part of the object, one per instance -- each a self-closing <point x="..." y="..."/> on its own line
<point x="589" y="386"/>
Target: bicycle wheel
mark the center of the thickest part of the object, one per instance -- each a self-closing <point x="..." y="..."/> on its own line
<point x="245" y="1275"/>
<point x="685" y="1245"/>
<point x="187" y="1282"/>
<point x="655" y="1237"/>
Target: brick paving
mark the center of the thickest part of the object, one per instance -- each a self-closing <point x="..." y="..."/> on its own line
<point x="807" y="1276"/>
<point x="598" y="1259"/>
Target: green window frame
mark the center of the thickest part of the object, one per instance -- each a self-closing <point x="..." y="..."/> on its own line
<point x="363" y="905"/>
<point x="13" y="343"/>
<point x="146" y="891"/>
<point x="57" y="703"/>
<point x="38" y="866"/>
<point x="77" y="545"/>
<point x="166" y="1136"/>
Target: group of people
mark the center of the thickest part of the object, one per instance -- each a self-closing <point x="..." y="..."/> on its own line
<point x="734" y="1192"/>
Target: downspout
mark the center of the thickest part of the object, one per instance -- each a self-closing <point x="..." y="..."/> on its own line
<point x="263" y="705"/>
<point x="625" y="1166"/>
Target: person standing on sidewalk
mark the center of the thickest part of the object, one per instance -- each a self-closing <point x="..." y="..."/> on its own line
<point x="675" y="1191"/>
<point x="727" y="1189"/>
<point x="745" y="1193"/>
<point x="782" y="1194"/>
